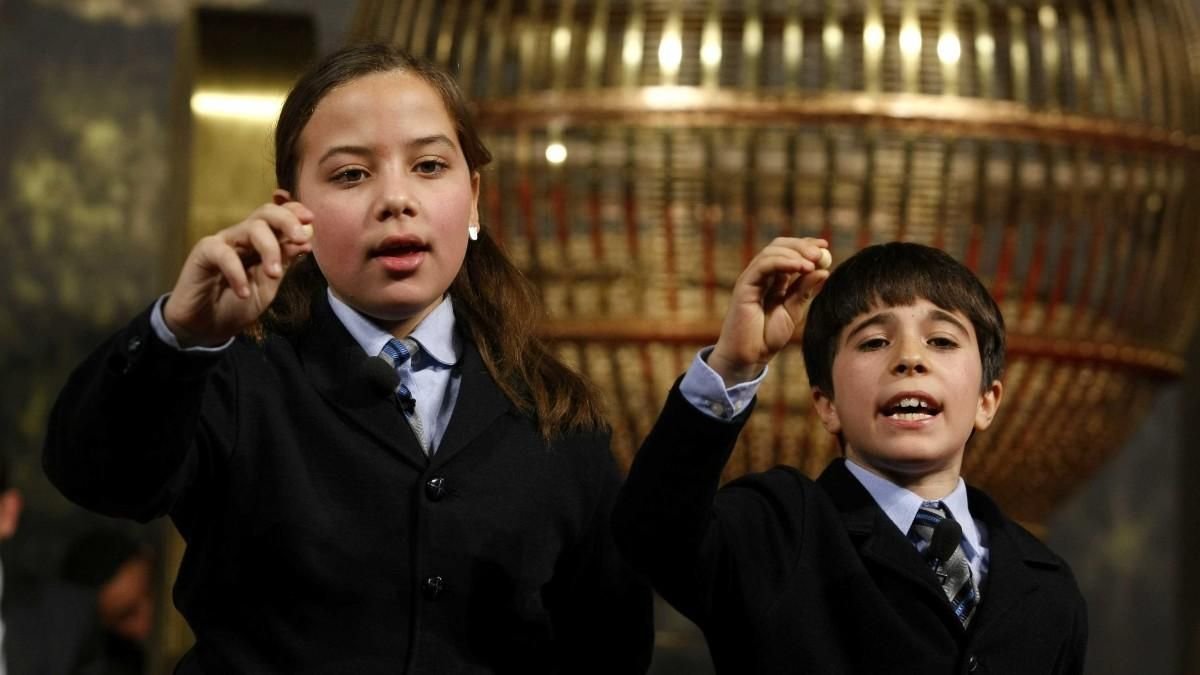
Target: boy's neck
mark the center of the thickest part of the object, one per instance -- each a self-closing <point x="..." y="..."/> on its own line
<point x="928" y="483"/>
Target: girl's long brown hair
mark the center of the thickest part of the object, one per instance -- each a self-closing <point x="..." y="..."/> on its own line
<point x="494" y="303"/>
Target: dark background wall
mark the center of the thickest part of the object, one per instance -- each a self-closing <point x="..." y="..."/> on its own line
<point x="84" y="143"/>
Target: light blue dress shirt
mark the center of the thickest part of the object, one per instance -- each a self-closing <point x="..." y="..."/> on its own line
<point x="430" y="373"/>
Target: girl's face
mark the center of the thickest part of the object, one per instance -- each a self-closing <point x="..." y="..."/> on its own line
<point x="382" y="171"/>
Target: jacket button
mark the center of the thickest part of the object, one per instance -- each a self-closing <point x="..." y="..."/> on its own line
<point x="134" y="344"/>
<point x="435" y="488"/>
<point x="433" y="587"/>
<point x="972" y="664"/>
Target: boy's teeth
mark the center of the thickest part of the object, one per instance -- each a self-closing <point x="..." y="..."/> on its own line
<point x="912" y="417"/>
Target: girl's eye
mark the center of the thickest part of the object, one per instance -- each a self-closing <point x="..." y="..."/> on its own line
<point x="943" y="343"/>
<point x="430" y="167"/>
<point x="349" y="176"/>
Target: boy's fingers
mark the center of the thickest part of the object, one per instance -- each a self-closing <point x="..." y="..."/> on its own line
<point x="803" y="290"/>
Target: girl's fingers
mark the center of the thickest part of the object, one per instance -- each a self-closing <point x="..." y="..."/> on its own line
<point x="265" y="243"/>
<point x="229" y="263"/>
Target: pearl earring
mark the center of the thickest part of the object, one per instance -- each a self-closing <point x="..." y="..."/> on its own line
<point x="473" y="232"/>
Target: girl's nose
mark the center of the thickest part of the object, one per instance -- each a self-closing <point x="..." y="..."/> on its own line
<point x="395" y="203"/>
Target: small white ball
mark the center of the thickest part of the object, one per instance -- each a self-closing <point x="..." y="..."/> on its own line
<point x="826" y="259"/>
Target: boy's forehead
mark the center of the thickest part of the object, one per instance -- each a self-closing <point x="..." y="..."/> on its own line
<point x="927" y="310"/>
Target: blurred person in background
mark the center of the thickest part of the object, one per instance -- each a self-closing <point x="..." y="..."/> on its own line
<point x="120" y="570"/>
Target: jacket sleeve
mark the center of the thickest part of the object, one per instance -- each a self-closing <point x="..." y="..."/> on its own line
<point x="713" y="554"/>
<point x="603" y="612"/>
<point x="129" y="433"/>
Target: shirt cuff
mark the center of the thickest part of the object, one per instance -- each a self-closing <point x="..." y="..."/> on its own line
<point x="159" y="324"/>
<point x="706" y="391"/>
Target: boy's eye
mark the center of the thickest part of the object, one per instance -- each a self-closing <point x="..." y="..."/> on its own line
<point x="430" y="167"/>
<point x="943" y="343"/>
<point x="872" y="344"/>
<point x="349" y="176"/>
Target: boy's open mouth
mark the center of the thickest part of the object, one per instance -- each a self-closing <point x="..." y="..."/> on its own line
<point x="911" y="407"/>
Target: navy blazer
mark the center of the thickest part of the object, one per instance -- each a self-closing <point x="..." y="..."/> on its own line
<point x="321" y="539"/>
<point x="787" y="575"/>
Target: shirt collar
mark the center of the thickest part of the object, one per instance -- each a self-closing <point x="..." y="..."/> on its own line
<point x="436" y="334"/>
<point x="901" y="505"/>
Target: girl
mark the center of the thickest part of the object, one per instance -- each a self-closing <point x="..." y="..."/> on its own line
<point x="458" y="525"/>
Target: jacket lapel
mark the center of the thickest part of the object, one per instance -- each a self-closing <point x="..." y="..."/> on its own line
<point x="878" y="539"/>
<point x="335" y="363"/>
<point x="1009" y="578"/>
<point x="478" y="405"/>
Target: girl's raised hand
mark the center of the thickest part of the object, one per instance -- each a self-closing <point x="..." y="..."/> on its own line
<point x="768" y="300"/>
<point x="230" y="278"/>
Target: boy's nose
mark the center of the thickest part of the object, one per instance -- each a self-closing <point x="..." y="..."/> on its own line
<point x="909" y="363"/>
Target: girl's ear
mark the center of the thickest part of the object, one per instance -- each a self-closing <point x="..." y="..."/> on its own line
<point x="281" y="196"/>
<point x="827" y="411"/>
<point x="474" y="200"/>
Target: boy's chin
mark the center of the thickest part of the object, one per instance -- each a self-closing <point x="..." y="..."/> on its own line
<point x="913" y="461"/>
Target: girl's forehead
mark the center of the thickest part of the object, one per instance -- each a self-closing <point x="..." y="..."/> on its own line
<point x="377" y="107"/>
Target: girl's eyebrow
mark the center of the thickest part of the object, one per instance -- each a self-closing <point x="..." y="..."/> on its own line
<point x="363" y="150"/>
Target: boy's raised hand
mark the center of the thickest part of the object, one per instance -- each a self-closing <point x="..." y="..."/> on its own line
<point x="230" y="278"/>
<point x="768" y="300"/>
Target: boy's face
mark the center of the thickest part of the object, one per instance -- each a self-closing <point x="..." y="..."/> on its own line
<point x="907" y="391"/>
<point x="391" y="194"/>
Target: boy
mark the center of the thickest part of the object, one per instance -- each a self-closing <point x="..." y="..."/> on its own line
<point x="904" y="348"/>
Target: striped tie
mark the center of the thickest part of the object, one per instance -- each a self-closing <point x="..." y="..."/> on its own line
<point x="955" y="573"/>
<point x="399" y="352"/>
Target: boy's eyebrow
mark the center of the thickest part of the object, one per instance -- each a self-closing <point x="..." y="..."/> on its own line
<point x="881" y="318"/>
<point x="432" y="139"/>
<point x="942" y="315"/>
<point x="887" y="317"/>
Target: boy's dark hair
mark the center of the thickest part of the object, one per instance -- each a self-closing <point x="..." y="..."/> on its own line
<point x="494" y="303"/>
<point x="897" y="274"/>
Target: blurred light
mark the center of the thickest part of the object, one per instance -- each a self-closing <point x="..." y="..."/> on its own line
<point x="910" y="39"/>
<point x="248" y="106"/>
<point x="1047" y="17"/>
<point x="873" y="36"/>
<point x="710" y="54"/>
<point x="631" y="54"/>
<point x="561" y="43"/>
<point x="670" y="53"/>
<point x="556" y="153"/>
<point x="948" y="49"/>
<point x="985" y="44"/>
<point x="832" y="36"/>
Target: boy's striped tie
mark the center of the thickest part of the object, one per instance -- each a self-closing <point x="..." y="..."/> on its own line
<point x="954" y="572"/>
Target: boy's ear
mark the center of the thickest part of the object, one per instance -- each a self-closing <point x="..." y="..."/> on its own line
<point x="281" y="196"/>
<point x="827" y="411"/>
<point x="989" y="403"/>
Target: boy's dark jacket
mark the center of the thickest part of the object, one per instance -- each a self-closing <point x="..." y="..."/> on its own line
<point x="319" y="537"/>
<point x="787" y="575"/>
